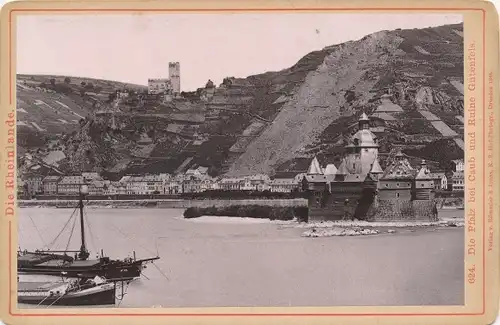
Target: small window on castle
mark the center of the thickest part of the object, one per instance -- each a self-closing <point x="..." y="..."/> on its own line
<point x="386" y="185"/>
<point x="397" y="184"/>
<point x="397" y="194"/>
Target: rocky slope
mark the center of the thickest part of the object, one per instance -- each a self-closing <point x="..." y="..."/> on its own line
<point x="410" y="81"/>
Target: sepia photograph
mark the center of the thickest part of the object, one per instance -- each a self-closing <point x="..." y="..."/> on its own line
<point x="240" y="160"/>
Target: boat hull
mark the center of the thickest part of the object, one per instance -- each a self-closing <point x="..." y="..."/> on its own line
<point x="99" y="296"/>
<point x="121" y="273"/>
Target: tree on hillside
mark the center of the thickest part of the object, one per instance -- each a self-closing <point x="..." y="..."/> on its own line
<point x="83" y="83"/>
<point x="89" y="86"/>
<point x="97" y="89"/>
<point x="53" y="82"/>
<point x="67" y="80"/>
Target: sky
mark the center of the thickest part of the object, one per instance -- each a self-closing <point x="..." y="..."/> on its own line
<point x="133" y="48"/>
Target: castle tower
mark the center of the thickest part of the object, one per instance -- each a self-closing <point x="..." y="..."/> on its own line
<point x="424" y="183"/>
<point x="174" y="74"/>
<point x="364" y="122"/>
<point x="376" y="170"/>
<point x="364" y="147"/>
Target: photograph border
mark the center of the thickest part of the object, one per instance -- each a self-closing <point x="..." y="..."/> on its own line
<point x="486" y="161"/>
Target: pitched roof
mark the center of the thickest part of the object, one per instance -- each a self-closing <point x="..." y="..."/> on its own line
<point x="72" y="180"/>
<point x="314" y="167"/>
<point x="51" y="179"/>
<point x="283" y="181"/>
<point x="285" y="174"/>
<point x="317" y="178"/>
<point x="400" y="169"/>
<point x="343" y="168"/>
<point x="364" y="117"/>
<point x="376" y="169"/>
<point x="330" y="169"/>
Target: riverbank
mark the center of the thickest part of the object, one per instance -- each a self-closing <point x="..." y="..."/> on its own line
<point x="164" y="203"/>
<point x="284" y="213"/>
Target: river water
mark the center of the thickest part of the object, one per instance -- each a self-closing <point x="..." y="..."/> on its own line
<point x="242" y="264"/>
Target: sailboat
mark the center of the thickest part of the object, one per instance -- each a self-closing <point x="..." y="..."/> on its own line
<point x="79" y="265"/>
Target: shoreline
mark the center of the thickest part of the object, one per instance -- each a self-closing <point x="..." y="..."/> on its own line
<point x="162" y="203"/>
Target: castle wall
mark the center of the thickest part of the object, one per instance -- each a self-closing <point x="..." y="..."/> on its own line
<point x="423" y="194"/>
<point x="402" y="210"/>
<point x="395" y="194"/>
<point x="324" y="206"/>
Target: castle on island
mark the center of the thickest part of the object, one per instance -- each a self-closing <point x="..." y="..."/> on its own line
<point x="361" y="189"/>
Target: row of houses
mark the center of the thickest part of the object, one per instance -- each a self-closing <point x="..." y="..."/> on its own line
<point x="192" y="181"/>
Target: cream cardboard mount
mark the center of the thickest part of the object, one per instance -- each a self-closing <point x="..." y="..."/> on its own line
<point x="347" y="175"/>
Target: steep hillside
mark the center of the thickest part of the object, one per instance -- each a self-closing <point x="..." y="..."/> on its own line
<point x="52" y="107"/>
<point x="420" y="69"/>
<point x="409" y="81"/>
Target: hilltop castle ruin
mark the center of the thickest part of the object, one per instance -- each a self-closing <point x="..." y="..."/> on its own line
<point x="167" y="86"/>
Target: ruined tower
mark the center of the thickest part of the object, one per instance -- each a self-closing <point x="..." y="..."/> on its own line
<point x="174" y="74"/>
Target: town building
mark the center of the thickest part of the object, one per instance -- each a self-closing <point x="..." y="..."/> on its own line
<point x="174" y="185"/>
<point x="440" y="181"/>
<point x="284" y="185"/>
<point x="89" y="176"/>
<point x="116" y="188"/>
<point x="191" y="184"/>
<point x="206" y="184"/>
<point x="459" y="165"/>
<point x="199" y="171"/>
<point x="458" y="181"/>
<point x="22" y="188"/>
<point x="257" y="182"/>
<point x="50" y="184"/>
<point x="33" y="183"/>
<point x="145" y="185"/>
<point x="230" y="184"/>
<point x="360" y="189"/>
<point x="97" y="187"/>
<point x="70" y="185"/>
<point x="156" y="183"/>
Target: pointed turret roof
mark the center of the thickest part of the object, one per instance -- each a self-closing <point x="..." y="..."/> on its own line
<point x="424" y="172"/>
<point x="376" y="169"/>
<point x="330" y="169"/>
<point x="343" y="168"/>
<point x="364" y="117"/>
<point x="314" y="167"/>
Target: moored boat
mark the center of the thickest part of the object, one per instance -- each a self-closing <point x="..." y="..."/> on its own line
<point x="79" y="265"/>
<point x="80" y="292"/>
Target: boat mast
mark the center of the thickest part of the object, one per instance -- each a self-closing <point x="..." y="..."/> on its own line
<point x="84" y="253"/>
